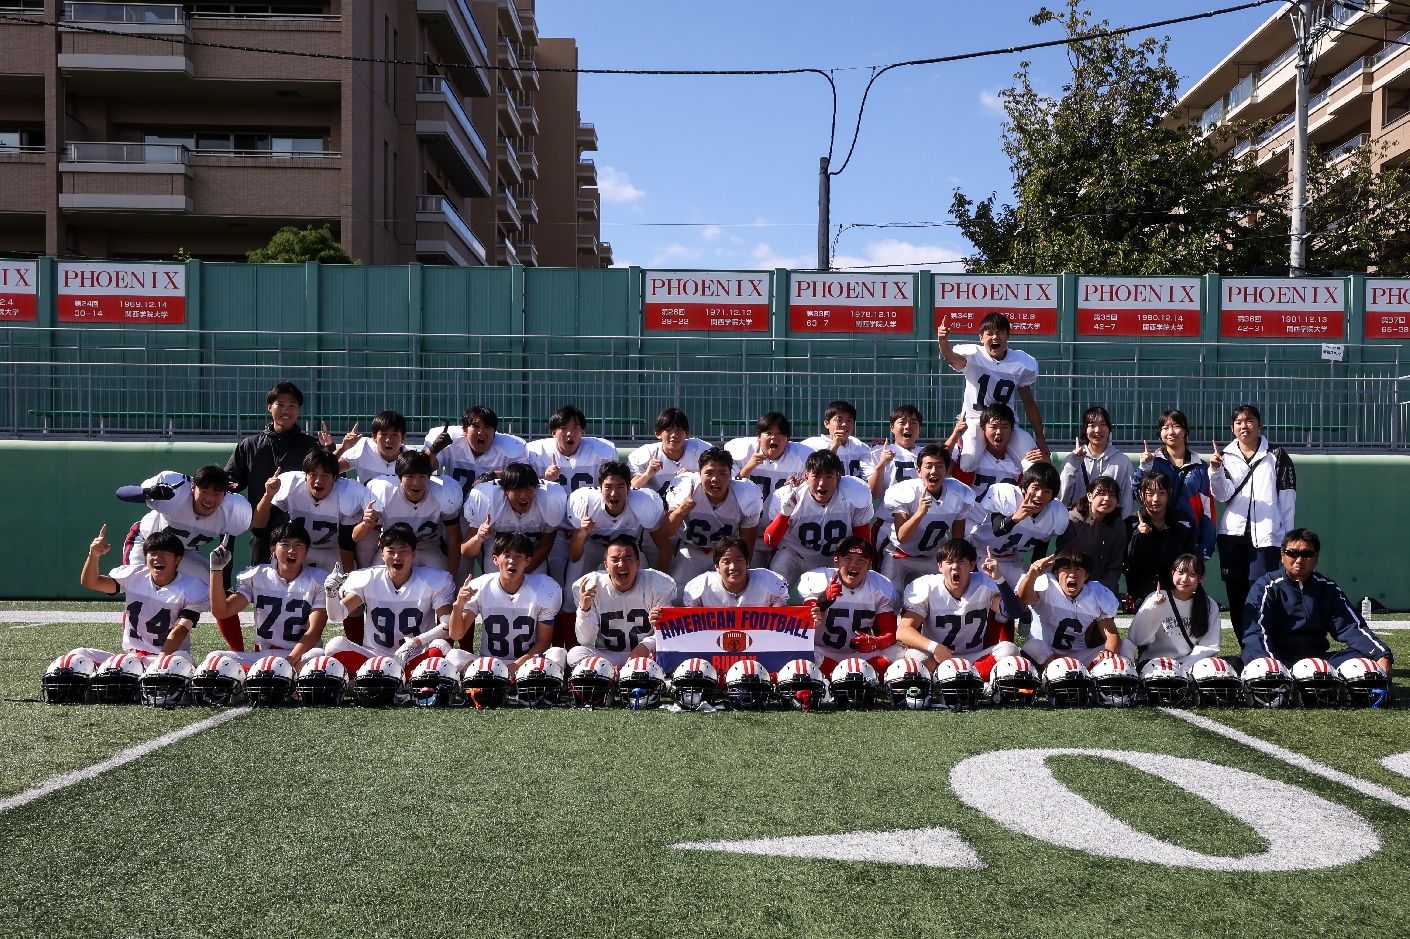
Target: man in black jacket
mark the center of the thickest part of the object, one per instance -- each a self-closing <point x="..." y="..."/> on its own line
<point x="1290" y="612"/>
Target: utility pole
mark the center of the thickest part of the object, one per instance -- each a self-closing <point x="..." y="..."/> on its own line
<point x="824" y="208"/>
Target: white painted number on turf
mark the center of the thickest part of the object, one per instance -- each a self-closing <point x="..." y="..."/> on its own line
<point x="920" y="847"/>
<point x="1397" y="763"/>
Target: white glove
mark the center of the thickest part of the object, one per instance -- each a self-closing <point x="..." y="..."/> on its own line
<point x="789" y="499"/>
<point x="409" y="648"/>
<point x="333" y="583"/>
<point x="220" y="557"/>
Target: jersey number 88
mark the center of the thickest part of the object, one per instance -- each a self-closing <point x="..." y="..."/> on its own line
<point x="822" y="538"/>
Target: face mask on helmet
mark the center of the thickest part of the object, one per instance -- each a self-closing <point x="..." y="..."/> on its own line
<point x="167" y="681"/>
<point x="1013" y="682"/>
<point x="1267" y="683"/>
<point x="380" y="683"/>
<point x="1315" y="683"/>
<point x="1116" y="682"/>
<point x="69" y="679"/>
<point x="801" y="684"/>
<point x="1366" y="685"/>
<point x="640" y="683"/>
<point x="434" y="683"/>
<point x="486" y="683"/>
<point x="539" y="683"/>
<point x="1067" y="683"/>
<point x="1165" y="684"/>
<point x="748" y="686"/>
<point x="322" y="682"/>
<point x="694" y="685"/>
<point x="270" y="682"/>
<point x="118" y="680"/>
<point x="592" y="682"/>
<point x="219" y="682"/>
<point x="1215" y="683"/>
<point x="957" y="685"/>
<point x="908" y="684"/>
<point x="854" y="685"/>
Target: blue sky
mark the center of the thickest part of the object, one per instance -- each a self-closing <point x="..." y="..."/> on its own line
<point x="737" y="157"/>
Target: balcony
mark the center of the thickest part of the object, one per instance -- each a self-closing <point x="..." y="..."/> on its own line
<point x="505" y="254"/>
<point x="509" y="67"/>
<point x="604" y="253"/>
<point x="118" y="15"/>
<point x="529" y="209"/>
<point x="587" y="173"/>
<point x="529" y="20"/>
<point x="453" y="30"/>
<point x="528" y="165"/>
<point x="442" y="237"/>
<point x="442" y="123"/>
<point x="111" y="51"/>
<point x="507" y="210"/>
<point x="527" y="252"/>
<point x="509" y="21"/>
<point x="529" y="120"/>
<point x="509" y="116"/>
<point x="529" y="74"/>
<point x="1345" y="150"/>
<point x="587" y="137"/>
<point x="508" y="161"/>
<point x="126" y="177"/>
<point x="587" y="208"/>
<point x="587" y="243"/>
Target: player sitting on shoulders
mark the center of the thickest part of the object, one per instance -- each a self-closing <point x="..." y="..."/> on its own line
<point x="1093" y="455"/>
<point x="958" y="611"/>
<point x="839" y="420"/>
<point x="476" y="449"/>
<point x="428" y="504"/>
<point x="924" y="513"/>
<point x="701" y="509"/>
<point x="515" y="609"/>
<point x="162" y="603"/>
<point x="601" y="515"/>
<point x="1011" y="519"/>
<point x="656" y="465"/>
<point x="854" y="609"/>
<point x="402" y="602"/>
<point x="518" y="501"/>
<point x="996" y="424"/>
<point x="807" y="522"/>
<point x="992" y="373"/>
<point x="287" y="596"/>
<point x="1072" y="615"/>
<point x="892" y="462"/>
<point x="618" y="609"/>
<point x="323" y="504"/>
<point x="733" y="583"/>
<point x="1183" y="624"/>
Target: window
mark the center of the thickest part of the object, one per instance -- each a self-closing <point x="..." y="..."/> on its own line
<point x="254" y="143"/>
<point x="386" y="187"/>
<point x="24" y="138"/>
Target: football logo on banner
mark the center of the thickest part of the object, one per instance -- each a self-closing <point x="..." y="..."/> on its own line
<point x="772" y="635"/>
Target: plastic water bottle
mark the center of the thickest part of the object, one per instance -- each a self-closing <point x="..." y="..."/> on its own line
<point x="1366" y="608"/>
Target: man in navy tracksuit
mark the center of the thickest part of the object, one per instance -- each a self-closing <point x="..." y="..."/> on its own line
<point x="1290" y="612"/>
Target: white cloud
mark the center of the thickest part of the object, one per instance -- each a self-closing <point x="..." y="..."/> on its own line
<point x="766" y="258"/>
<point x="675" y="252"/>
<point x="711" y="232"/>
<point x="617" y="187"/>
<point x="990" y="101"/>
<point x="894" y="255"/>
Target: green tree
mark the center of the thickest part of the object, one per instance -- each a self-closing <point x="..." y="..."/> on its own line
<point x="293" y="245"/>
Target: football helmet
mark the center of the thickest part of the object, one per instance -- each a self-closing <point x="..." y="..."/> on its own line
<point x="1366" y="685"/>
<point x="434" y="683"/>
<point x="167" y="681"/>
<point x="486" y="682"/>
<point x="801" y="684"/>
<point x="1267" y="683"/>
<point x="908" y="684"/>
<point x="322" y="682"/>
<point x="1067" y="683"/>
<point x="1117" y="683"/>
<point x="592" y="681"/>
<point x="270" y="681"/>
<point x="1014" y="681"/>
<point x="957" y="684"/>
<point x="539" y="683"/>
<point x="748" y="685"/>
<point x="854" y="685"/>
<point x="694" y="684"/>
<point x="220" y="681"/>
<point x="380" y="682"/>
<point x="118" y="680"/>
<point x="1165" y="684"/>
<point x="1315" y="683"/>
<point x="69" y="679"/>
<point x="640" y="683"/>
<point x="1215" y="683"/>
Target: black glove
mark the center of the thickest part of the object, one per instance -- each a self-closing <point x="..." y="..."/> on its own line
<point x="442" y="441"/>
<point x="158" y="493"/>
<point x="486" y="478"/>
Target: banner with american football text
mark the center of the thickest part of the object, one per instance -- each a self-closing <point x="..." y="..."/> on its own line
<point x="774" y="635"/>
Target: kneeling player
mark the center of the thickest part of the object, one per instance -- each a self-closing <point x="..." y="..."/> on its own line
<point x="854" y="609"/>
<point x="1010" y="520"/>
<point x="617" y="609"/>
<point x="958" y="611"/>
<point x="428" y="505"/>
<point x="602" y="515"/>
<point x="516" y="609"/>
<point x="518" y="501"/>
<point x="807" y="522"/>
<point x="1072" y="615"/>
<point x="319" y="501"/>
<point x="163" y="604"/>
<point x="701" y="509"/>
<point x="288" y="597"/>
<point x="733" y="583"/>
<point x="924" y="512"/>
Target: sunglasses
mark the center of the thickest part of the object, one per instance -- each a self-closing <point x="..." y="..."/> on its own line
<point x="1300" y="554"/>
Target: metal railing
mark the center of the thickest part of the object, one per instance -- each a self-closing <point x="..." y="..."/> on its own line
<point x="156" y="14"/>
<point x="1241" y="92"/>
<point x="126" y="153"/>
<point x="1283" y="124"/>
<point x="431" y="205"/>
<point x="269" y="154"/>
<point x="1282" y="59"/>
<point x="280" y="17"/>
<point x="1394" y="46"/>
<point x="1359" y="140"/>
<point x="437" y="85"/>
<point x="138" y="382"/>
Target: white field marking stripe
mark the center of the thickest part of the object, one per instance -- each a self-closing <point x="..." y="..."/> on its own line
<point x="63" y="780"/>
<point x="36" y="617"/>
<point x="1305" y="763"/>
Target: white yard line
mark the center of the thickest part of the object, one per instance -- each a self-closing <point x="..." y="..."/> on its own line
<point x="1307" y="764"/>
<point x="64" y="780"/>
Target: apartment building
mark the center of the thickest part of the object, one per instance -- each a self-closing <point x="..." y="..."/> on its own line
<point x="134" y="130"/>
<point x="1360" y="90"/>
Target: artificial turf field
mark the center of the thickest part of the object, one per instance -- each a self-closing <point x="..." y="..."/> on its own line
<point x="408" y="823"/>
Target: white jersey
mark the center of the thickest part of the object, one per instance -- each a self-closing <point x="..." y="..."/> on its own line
<point x="395" y="615"/>
<point x="579" y="470"/>
<point x="620" y="620"/>
<point x="690" y="460"/>
<point x="460" y="463"/>
<point x="853" y="453"/>
<point x="956" y="502"/>
<point x="901" y="468"/>
<point x="642" y="512"/>
<point x="509" y="622"/>
<point x="367" y="461"/>
<point x="765" y="588"/>
<point x="321" y="517"/>
<point x="427" y="518"/>
<point x="1026" y="534"/>
<point x="992" y="469"/>
<point x="1063" y="622"/>
<point x="770" y="474"/>
<point x="852" y="612"/>
<point x="150" y="612"/>
<point x="988" y="380"/>
<point x="707" y="523"/>
<point x="281" y="607"/>
<point x="488" y="501"/>
<point x="178" y="513"/>
<point x="815" y="530"/>
<point x="957" y="623"/>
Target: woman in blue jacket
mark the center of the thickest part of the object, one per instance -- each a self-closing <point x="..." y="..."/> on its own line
<point x="1188" y="475"/>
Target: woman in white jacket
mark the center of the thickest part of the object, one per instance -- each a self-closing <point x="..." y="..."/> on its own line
<point x="1182" y="624"/>
<point x="1259" y="485"/>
